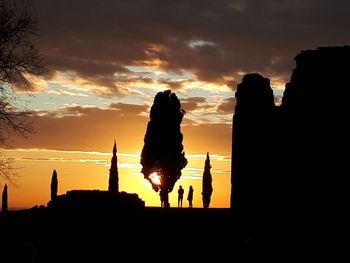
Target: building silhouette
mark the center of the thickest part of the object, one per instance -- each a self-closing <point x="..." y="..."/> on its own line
<point x="290" y="176"/>
<point x="99" y="200"/>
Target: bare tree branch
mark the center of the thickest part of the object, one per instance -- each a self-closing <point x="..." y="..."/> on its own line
<point x="19" y="60"/>
<point x="8" y="170"/>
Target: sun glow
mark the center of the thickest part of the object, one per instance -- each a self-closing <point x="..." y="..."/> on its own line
<point x="155" y="178"/>
<point x="89" y="170"/>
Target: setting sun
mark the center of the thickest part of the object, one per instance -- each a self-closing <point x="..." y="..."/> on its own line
<point x="155" y="178"/>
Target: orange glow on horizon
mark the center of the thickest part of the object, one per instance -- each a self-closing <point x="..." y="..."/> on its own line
<point x="90" y="170"/>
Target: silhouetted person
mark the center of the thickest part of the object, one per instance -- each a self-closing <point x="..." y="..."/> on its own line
<point x="190" y="196"/>
<point x="4" y="200"/>
<point x="54" y="185"/>
<point x="180" y="196"/>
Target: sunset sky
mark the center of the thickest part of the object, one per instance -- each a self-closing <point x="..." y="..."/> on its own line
<point x="106" y="60"/>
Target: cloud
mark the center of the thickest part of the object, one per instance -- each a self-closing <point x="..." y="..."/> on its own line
<point x="66" y="93"/>
<point x="86" y="128"/>
<point x="96" y="39"/>
<point x="129" y="109"/>
<point x="173" y="84"/>
<point x="212" y="137"/>
<point x="118" y="109"/>
<point x="193" y="103"/>
<point x="94" y="129"/>
<point x="84" y="66"/>
<point x="228" y="106"/>
<point x="125" y="160"/>
<point x="200" y="48"/>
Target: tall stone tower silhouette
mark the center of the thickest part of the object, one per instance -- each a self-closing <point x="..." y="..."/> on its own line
<point x="113" y="183"/>
<point x="252" y="147"/>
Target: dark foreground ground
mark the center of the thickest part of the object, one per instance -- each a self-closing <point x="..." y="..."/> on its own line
<point x="149" y="234"/>
<point x="140" y="235"/>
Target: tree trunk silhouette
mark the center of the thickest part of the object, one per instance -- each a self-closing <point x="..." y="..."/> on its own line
<point x="165" y="197"/>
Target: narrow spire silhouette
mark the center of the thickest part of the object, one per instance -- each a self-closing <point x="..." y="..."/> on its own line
<point x="54" y="185"/>
<point x="207" y="188"/>
<point x="113" y="183"/>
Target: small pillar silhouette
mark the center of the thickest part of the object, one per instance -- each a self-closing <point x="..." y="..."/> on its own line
<point x="113" y="184"/>
<point x="252" y="151"/>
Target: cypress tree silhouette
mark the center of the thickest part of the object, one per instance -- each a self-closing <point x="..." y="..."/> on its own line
<point x="207" y="188"/>
<point x="162" y="156"/>
<point x="113" y="183"/>
<point x="4" y="200"/>
<point x="54" y="185"/>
